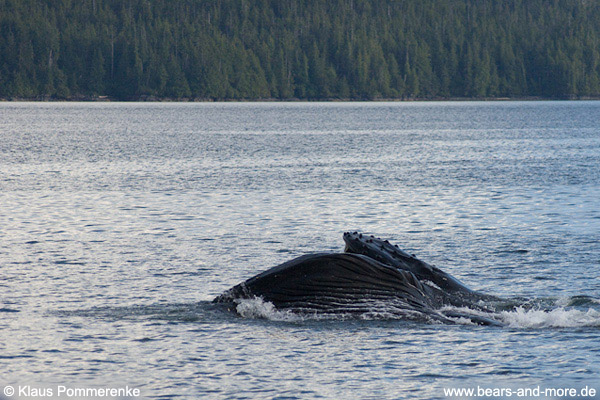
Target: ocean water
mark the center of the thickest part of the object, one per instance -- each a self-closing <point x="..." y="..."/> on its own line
<point x="119" y="223"/>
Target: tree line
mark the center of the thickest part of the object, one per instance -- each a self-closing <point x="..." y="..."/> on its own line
<point x="304" y="49"/>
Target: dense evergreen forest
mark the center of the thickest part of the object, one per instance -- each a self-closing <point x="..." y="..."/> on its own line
<point x="305" y="49"/>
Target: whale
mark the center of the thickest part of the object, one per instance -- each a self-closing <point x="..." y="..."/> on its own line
<point x="345" y="283"/>
<point x="451" y="290"/>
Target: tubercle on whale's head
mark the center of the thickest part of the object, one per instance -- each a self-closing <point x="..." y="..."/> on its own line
<point x="376" y="248"/>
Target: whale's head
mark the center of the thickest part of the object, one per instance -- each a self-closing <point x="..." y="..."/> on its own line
<point x="387" y="253"/>
<point x="378" y="249"/>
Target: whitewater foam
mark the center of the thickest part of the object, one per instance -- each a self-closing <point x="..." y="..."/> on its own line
<point x="256" y="307"/>
<point x="520" y="317"/>
<point x="557" y="318"/>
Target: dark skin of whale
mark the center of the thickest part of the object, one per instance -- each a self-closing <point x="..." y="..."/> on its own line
<point x="452" y="291"/>
<point x="343" y="283"/>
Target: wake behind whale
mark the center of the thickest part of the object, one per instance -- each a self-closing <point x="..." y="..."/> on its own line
<point x="372" y="276"/>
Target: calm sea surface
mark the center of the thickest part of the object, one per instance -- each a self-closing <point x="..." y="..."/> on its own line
<point x="120" y="222"/>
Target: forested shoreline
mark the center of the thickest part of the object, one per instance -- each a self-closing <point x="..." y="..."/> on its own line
<point x="299" y="49"/>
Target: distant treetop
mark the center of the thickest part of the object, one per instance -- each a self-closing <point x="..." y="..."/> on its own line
<point x="299" y="49"/>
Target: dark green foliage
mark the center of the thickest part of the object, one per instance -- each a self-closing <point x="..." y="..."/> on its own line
<point x="309" y="49"/>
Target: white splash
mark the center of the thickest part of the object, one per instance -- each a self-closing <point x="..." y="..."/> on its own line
<point x="556" y="318"/>
<point x="255" y="308"/>
<point x="520" y="317"/>
<point x="258" y="308"/>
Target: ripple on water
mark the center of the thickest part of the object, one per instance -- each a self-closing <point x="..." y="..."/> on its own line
<point x="121" y="221"/>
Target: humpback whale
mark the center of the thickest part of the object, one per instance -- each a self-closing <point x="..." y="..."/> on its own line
<point x="338" y="283"/>
<point x="364" y="279"/>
